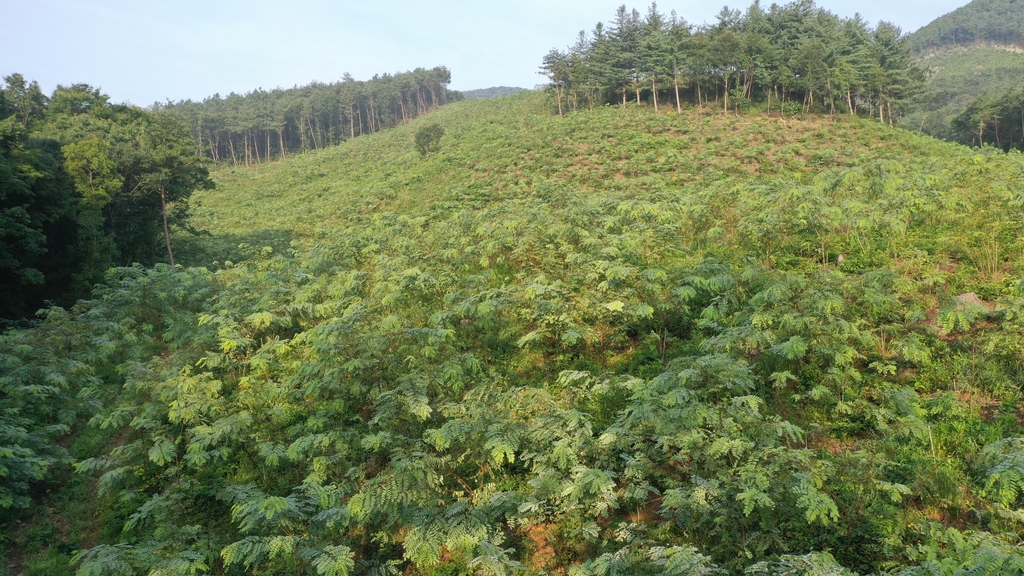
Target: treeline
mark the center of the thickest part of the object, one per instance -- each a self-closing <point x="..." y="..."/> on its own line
<point x="84" y="185"/>
<point x="992" y="119"/>
<point x="795" y="58"/>
<point x="260" y="125"/>
<point x="981" y="21"/>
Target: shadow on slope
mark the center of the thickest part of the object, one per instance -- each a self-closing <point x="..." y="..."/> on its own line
<point x="213" y="250"/>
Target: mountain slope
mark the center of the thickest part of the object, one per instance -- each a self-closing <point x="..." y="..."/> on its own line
<point x="974" y="51"/>
<point x="979" y="22"/>
<point x="618" y="341"/>
<point x="494" y="150"/>
<point x="492" y="92"/>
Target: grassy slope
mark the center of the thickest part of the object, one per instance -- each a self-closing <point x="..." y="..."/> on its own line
<point x="496" y="150"/>
<point x="968" y="52"/>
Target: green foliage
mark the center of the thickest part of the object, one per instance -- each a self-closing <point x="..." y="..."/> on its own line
<point x="428" y="138"/>
<point x="492" y="92"/>
<point x="795" y="52"/>
<point x="251" y="128"/>
<point x="84" y="185"/>
<point x="613" y="342"/>
<point x="37" y="222"/>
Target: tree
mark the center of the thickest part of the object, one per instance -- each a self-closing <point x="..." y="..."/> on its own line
<point x="428" y="138"/>
<point x="37" y="223"/>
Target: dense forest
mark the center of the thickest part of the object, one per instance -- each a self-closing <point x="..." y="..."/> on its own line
<point x="797" y="57"/>
<point x="260" y="125"/>
<point x="84" y="185"/>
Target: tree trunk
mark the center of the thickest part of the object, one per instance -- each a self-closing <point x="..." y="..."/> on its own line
<point x="726" y="93"/>
<point x="679" y="106"/>
<point x="849" y="100"/>
<point x="167" y="233"/>
<point x="280" y="139"/>
<point x="831" y="99"/>
<point x="654" y="90"/>
<point x="312" y="133"/>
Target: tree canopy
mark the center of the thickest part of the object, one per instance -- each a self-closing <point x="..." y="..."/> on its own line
<point x="259" y="125"/>
<point x="801" y="56"/>
<point x="85" y="185"/>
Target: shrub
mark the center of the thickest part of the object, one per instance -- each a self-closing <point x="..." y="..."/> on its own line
<point x="428" y="138"/>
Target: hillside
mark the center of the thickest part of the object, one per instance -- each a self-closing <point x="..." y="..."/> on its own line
<point x="494" y="150"/>
<point x="958" y="76"/>
<point x="611" y="342"/>
<point x="492" y="92"/>
<point x="979" y="22"/>
<point x="974" y="52"/>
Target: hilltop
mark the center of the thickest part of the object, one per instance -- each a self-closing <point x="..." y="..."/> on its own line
<point x="492" y="92"/>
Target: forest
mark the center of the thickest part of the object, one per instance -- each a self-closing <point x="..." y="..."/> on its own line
<point x="974" y="63"/>
<point x="802" y="57"/>
<point x="85" y="185"/>
<point x="549" y="333"/>
<point x="261" y="125"/>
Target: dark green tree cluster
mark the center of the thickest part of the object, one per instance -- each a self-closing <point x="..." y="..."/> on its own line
<point x="428" y="138"/>
<point x="260" y="125"/>
<point x="84" y="185"/>
<point x="995" y="120"/>
<point x="979" y="22"/>
<point x="795" y="57"/>
<point x="37" y="207"/>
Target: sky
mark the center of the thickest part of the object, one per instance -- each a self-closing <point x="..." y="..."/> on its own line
<point x="146" y="51"/>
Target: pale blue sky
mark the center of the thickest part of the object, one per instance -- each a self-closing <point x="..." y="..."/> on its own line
<point x="145" y="51"/>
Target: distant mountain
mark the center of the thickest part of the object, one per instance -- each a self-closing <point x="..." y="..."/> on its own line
<point x="980" y="22"/>
<point x="492" y="92"/>
<point x="974" y="52"/>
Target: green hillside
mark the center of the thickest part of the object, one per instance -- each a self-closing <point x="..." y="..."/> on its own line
<point x="612" y="342"/>
<point x="493" y="151"/>
<point x="979" y="22"/>
<point x="957" y="76"/>
<point x="492" y="92"/>
<point x="973" y="55"/>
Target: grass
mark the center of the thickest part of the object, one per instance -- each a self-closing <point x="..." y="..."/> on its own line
<point x="500" y="149"/>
